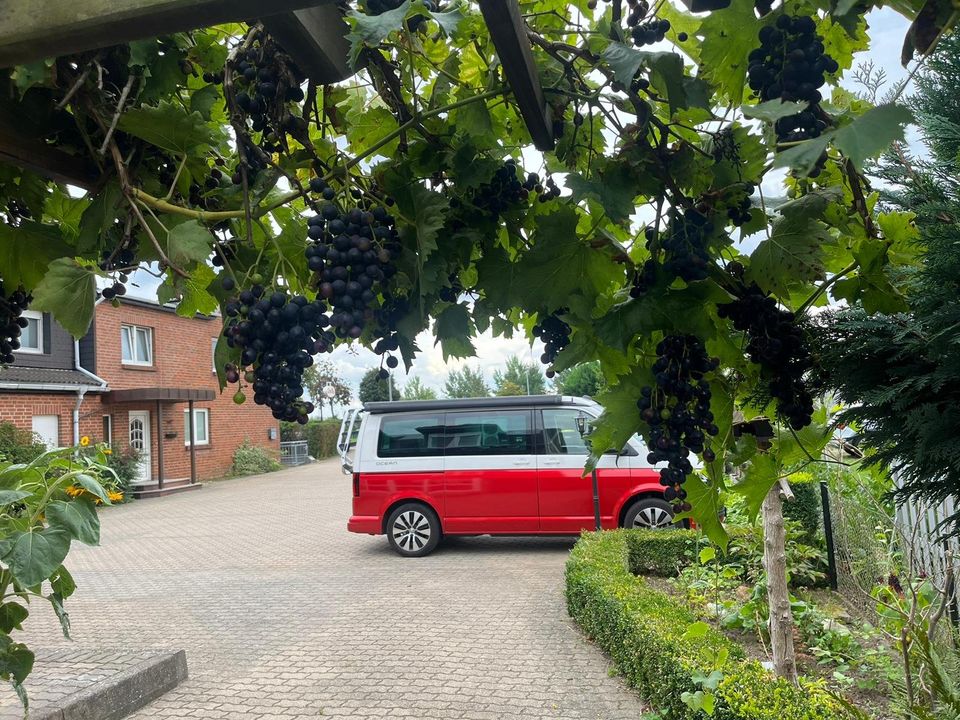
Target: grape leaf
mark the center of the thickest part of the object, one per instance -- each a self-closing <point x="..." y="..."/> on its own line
<point x="67" y="291"/>
<point x="706" y="507"/>
<point x="792" y="256"/>
<point x="27" y="251"/>
<point x="773" y="110"/>
<point x="728" y="37"/>
<point x="188" y="243"/>
<point x="623" y="60"/>
<point x="194" y="296"/>
<point x="169" y="126"/>
<point x="613" y="187"/>
<point x="453" y="329"/>
<point x="872" y="133"/>
<point x="371" y="30"/>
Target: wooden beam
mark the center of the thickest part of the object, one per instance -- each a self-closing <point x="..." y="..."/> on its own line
<point x="509" y="34"/>
<point x="316" y="38"/>
<point x="36" y="29"/>
<point x="32" y="153"/>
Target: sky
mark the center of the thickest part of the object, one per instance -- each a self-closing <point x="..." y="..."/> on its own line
<point x="887" y="30"/>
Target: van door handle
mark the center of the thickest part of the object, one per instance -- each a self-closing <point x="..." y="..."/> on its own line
<point x="551" y="461"/>
<point x="521" y="462"/>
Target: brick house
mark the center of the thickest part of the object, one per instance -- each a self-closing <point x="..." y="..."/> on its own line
<point x="133" y="381"/>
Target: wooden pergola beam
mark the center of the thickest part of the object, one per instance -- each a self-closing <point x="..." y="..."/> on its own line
<point x="316" y="38"/>
<point x="35" y="155"/>
<point x="36" y="29"/>
<point x="508" y="31"/>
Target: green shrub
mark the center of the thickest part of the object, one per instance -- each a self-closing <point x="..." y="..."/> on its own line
<point x="250" y="459"/>
<point x="660" y="552"/>
<point x="19" y="446"/>
<point x="645" y="632"/>
<point x="321" y="437"/>
<point x="805" y="509"/>
<point x="126" y="465"/>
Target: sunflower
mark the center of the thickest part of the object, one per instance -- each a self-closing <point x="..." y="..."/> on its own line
<point x="84" y="441"/>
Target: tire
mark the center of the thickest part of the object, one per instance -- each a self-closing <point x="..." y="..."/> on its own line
<point x="649" y="514"/>
<point x="413" y="530"/>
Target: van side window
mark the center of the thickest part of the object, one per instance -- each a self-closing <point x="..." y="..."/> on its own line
<point x="560" y="433"/>
<point x="418" y="435"/>
<point x="492" y="432"/>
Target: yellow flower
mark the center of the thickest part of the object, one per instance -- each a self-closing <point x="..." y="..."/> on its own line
<point x="84" y="441"/>
<point x="115" y="496"/>
<point x="74" y="491"/>
<point x="107" y="451"/>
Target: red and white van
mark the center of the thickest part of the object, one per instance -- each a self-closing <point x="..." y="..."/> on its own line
<point x="489" y="466"/>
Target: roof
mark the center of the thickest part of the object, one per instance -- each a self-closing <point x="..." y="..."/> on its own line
<point x="512" y="401"/>
<point x="31" y="376"/>
<point x="163" y="394"/>
<point x="169" y="307"/>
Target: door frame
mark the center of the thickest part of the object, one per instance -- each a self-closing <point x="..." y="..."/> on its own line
<point x="146" y="462"/>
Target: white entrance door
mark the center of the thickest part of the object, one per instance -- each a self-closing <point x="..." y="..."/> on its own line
<point x="140" y="440"/>
<point x="48" y="428"/>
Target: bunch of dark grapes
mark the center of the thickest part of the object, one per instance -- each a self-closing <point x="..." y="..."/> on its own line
<point x="385" y="319"/>
<point x="224" y="251"/>
<point x="504" y="191"/>
<point x="677" y="409"/>
<point x="555" y="334"/>
<point x="545" y="190"/>
<point x="451" y="291"/>
<point x="277" y="335"/>
<point x="778" y="345"/>
<point x="643" y="279"/>
<point x="738" y="208"/>
<point x="649" y="32"/>
<point x="791" y="65"/>
<point x="684" y="244"/>
<point x="269" y="81"/>
<point x="12" y="306"/>
<point x="352" y="255"/>
<point x="378" y="7"/>
<point x="118" y="261"/>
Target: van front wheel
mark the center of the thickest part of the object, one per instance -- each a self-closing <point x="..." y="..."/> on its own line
<point x="413" y="530"/>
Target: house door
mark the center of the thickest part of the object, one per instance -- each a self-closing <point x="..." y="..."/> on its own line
<point x="140" y="441"/>
<point x="48" y="428"/>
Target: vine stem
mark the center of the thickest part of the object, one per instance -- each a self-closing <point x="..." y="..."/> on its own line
<point x="826" y="285"/>
<point x="116" y="115"/>
<point x="218" y="215"/>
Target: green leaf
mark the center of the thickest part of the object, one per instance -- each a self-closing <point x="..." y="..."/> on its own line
<point x="99" y="216"/>
<point x="188" y="243"/>
<point x="450" y="20"/>
<point x="371" y="30"/>
<point x="9" y="496"/>
<point x="78" y="517"/>
<point x="169" y="127"/>
<point x="194" y="296"/>
<point x="760" y="474"/>
<point x="614" y="187"/>
<point x="26" y="252"/>
<point x="67" y="292"/>
<point x="16" y="662"/>
<point x="429" y="209"/>
<point x="203" y="100"/>
<point x="773" y="110"/>
<point x="696" y="630"/>
<point x="803" y="158"/>
<point x="34" y="555"/>
<point x="453" y="329"/>
<point x="92" y="486"/>
<point x="792" y="256"/>
<point x="11" y="615"/>
<point x="728" y="36"/>
<point x="705" y="500"/>
<point x="872" y="133"/>
<point x="707" y="554"/>
<point x="623" y="60"/>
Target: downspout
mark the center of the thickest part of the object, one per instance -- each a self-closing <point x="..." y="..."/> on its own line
<point x="81" y="391"/>
<point x="76" y="366"/>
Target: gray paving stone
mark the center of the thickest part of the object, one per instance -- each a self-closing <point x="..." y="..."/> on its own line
<point x="284" y="614"/>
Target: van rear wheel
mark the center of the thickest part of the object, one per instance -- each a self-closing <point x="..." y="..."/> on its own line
<point x="413" y="530"/>
<point x="649" y="514"/>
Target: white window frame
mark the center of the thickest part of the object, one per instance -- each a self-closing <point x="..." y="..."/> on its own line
<point x="133" y="330"/>
<point x="213" y="355"/>
<point x="38" y="316"/>
<point x="197" y="413"/>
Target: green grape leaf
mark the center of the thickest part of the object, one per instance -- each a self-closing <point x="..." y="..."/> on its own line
<point x="728" y="37"/>
<point x="803" y="157"/>
<point x="188" y="243"/>
<point x="99" y="216"/>
<point x="872" y="133"/>
<point x="371" y="30"/>
<point x="773" y="110"/>
<point x="453" y="329"/>
<point x="706" y="507"/>
<point x="614" y="187"/>
<point x="759" y="475"/>
<point x="623" y="60"/>
<point x="77" y="517"/>
<point x="169" y="127"/>
<point x="27" y="251"/>
<point x="793" y="255"/>
<point x="33" y="556"/>
<point x="450" y="20"/>
<point x="194" y="296"/>
<point x="68" y="292"/>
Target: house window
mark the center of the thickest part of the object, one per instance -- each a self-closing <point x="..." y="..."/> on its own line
<point x="213" y="354"/>
<point x="137" y="344"/>
<point x="108" y="430"/>
<point x="201" y="426"/>
<point x="31" y="337"/>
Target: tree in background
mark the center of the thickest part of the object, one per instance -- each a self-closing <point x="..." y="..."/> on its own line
<point x="899" y="373"/>
<point x="527" y="376"/>
<point x="508" y="387"/>
<point x="317" y="377"/>
<point x="466" y="383"/>
<point x="585" y="380"/>
<point x="375" y="388"/>
<point x="416" y="390"/>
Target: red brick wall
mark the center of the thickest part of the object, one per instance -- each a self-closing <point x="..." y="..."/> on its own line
<point x="182" y="359"/>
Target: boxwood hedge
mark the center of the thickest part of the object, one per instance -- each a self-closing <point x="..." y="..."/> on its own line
<point x="644" y="631"/>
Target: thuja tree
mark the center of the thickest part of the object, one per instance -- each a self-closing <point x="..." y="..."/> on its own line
<point x="407" y="198"/>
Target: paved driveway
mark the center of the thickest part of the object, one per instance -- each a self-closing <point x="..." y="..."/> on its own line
<point x="284" y="614"/>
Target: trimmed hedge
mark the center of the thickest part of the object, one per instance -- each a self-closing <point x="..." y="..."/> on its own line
<point x="643" y="631"/>
<point x="666" y="552"/>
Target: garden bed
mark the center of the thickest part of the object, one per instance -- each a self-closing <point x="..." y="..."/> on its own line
<point x="664" y="650"/>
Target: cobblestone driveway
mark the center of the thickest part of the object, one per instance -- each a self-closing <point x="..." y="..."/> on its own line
<point x="284" y="614"/>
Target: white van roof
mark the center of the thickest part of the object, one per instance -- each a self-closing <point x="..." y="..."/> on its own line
<point x="512" y="401"/>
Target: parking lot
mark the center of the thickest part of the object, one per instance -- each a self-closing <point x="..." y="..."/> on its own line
<point x="284" y="614"/>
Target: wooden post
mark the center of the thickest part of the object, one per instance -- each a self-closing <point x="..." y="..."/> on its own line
<point x="778" y="595"/>
<point x="193" y="445"/>
<point x="159" y="446"/>
<point x="316" y="38"/>
<point x="509" y="34"/>
<point x="33" y="30"/>
<point x="32" y="153"/>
